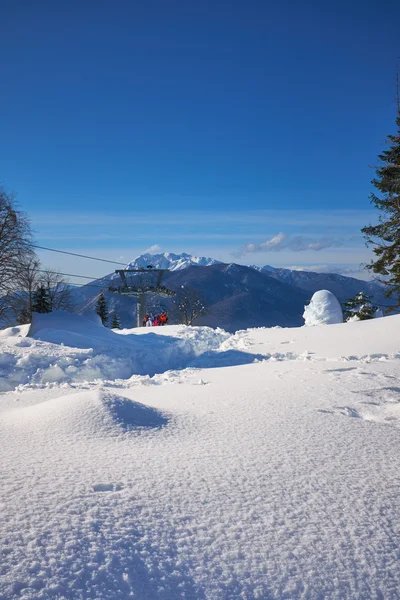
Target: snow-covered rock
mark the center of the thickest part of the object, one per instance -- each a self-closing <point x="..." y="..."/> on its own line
<point x="324" y="309"/>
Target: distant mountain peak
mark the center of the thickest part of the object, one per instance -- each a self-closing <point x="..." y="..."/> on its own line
<point x="171" y="261"/>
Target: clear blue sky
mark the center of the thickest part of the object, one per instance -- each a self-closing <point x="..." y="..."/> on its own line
<point x="131" y="108"/>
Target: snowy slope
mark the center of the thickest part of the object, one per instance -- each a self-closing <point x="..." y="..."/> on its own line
<point x="267" y="468"/>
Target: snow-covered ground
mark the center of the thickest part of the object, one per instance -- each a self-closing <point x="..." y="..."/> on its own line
<point x="189" y="463"/>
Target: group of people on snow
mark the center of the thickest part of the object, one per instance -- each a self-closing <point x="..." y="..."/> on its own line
<point x="154" y="321"/>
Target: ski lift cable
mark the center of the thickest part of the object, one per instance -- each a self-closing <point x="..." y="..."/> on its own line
<point x="113" y="262"/>
<point x="70" y="274"/>
<point x="99" y="287"/>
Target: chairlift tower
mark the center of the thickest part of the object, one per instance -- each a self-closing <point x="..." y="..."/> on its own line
<point x="138" y="283"/>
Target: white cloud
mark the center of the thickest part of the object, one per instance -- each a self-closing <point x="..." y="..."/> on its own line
<point x="296" y="243"/>
<point x="153" y="249"/>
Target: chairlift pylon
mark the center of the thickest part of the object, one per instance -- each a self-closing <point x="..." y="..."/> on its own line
<point x="139" y="283"/>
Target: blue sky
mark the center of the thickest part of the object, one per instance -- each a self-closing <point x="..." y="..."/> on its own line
<point x="207" y="127"/>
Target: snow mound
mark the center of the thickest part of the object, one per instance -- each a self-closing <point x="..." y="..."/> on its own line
<point x="324" y="309"/>
<point x="64" y="348"/>
<point x="76" y="331"/>
<point x="85" y="414"/>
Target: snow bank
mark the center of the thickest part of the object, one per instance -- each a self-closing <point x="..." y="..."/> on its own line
<point x="76" y="331"/>
<point x="324" y="309"/>
<point x="68" y="348"/>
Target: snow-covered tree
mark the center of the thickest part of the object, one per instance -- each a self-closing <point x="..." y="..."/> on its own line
<point x="41" y="300"/>
<point x="360" y="306"/>
<point x="101" y="308"/>
<point x="115" y="322"/>
<point x="385" y="237"/>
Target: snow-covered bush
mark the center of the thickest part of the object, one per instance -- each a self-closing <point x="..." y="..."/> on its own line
<point x="359" y="306"/>
<point x="324" y="309"/>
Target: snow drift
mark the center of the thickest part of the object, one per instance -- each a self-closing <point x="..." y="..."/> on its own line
<point x="86" y="414"/>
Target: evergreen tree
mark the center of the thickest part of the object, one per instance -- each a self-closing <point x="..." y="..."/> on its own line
<point x="101" y="308"/>
<point x="41" y="300"/>
<point x="359" y="306"/>
<point x="385" y="237"/>
<point x="115" y="324"/>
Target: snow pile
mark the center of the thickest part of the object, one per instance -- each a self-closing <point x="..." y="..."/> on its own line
<point x="324" y="309"/>
<point x="70" y="348"/>
<point x="85" y="414"/>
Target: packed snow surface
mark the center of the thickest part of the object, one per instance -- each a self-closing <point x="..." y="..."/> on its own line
<point x="184" y="462"/>
<point x="324" y="309"/>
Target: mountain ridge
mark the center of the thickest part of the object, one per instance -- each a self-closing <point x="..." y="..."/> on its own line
<point x="239" y="296"/>
<point x="171" y="261"/>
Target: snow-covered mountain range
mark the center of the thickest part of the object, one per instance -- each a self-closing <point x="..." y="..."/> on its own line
<point x="238" y="296"/>
<point x="171" y="261"/>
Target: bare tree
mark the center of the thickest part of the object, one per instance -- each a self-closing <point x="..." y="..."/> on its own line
<point x="20" y="300"/>
<point x="189" y="304"/>
<point x="4" y="305"/>
<point x="59" y="292"/>
<point x="20" y="272"/>
<point x="15" y="242"/>
<point x="30" y="278"/>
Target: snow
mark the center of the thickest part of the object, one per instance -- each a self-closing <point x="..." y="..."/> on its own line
<point x="171" y="261"/>
<point x="70" y="348"/>
<point x="272" y="475"/>
<point x="324" y="309"/>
